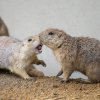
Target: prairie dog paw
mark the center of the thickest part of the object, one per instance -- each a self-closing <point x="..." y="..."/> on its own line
<point x="42" y="63"/>
<point x="30" y="78"/>
<point x="59" y="73"/>
<point x="64" y="81"/>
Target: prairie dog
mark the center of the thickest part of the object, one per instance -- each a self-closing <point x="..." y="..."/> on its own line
<point x="3" y="28"/>
<point x="18" y="56"/>
<point x="74" y="53"/>
<point x="31" y="70"/>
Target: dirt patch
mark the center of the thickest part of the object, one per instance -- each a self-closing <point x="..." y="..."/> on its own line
<point x="46" y="88"/>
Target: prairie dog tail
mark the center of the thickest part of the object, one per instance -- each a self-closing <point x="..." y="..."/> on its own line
<point x="3" y="28"/>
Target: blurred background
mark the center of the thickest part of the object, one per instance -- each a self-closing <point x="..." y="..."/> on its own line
<point x="29" y="17"/>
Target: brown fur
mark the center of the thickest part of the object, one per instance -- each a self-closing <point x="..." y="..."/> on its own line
<point x="32" y="71"/>
<point x="74" y="53"/>
<point x="3" y="28"/>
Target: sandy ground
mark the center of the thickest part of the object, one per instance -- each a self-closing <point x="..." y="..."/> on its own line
<point x="48" y="88"/>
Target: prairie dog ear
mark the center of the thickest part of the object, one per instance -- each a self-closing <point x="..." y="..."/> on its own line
<point x="3" y="28"/>
<point x="59" y="35"/>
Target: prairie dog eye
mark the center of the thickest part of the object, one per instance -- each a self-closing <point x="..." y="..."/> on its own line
<point x="29" y="40"/>
<point x="51" y="33"/>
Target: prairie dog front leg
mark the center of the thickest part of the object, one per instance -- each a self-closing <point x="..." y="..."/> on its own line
<point x="59" y="73"/>
<point x="39" y="62"/>
<point x="67" y="71"/>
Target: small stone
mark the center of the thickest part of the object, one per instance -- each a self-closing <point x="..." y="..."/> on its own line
<point x="55" y="86"/>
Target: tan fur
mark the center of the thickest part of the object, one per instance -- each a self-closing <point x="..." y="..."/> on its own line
<point x="74" y="53"/>
<point x="31" y="70"/>
<point x="3" y="28"/>
<point x="19" y="56"/>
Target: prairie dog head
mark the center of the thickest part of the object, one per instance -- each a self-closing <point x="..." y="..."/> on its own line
<point x="31" y="45"/>
<point x="53" y="38"/>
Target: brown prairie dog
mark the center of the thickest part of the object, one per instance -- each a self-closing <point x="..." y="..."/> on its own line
<point x="74" y="53"/>
<point x="18" y="56"/>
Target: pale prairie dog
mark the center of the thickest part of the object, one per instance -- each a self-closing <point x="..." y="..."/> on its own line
<point x="3" y="28"/>
<point x="74" y="53"/>
<point x="18" y="56"/>
<point x="31" y="70"/>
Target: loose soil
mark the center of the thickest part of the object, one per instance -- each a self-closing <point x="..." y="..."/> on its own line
<point x="45" y="88"/>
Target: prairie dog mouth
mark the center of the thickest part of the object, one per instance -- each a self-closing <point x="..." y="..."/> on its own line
<point x="39" y="48"/>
